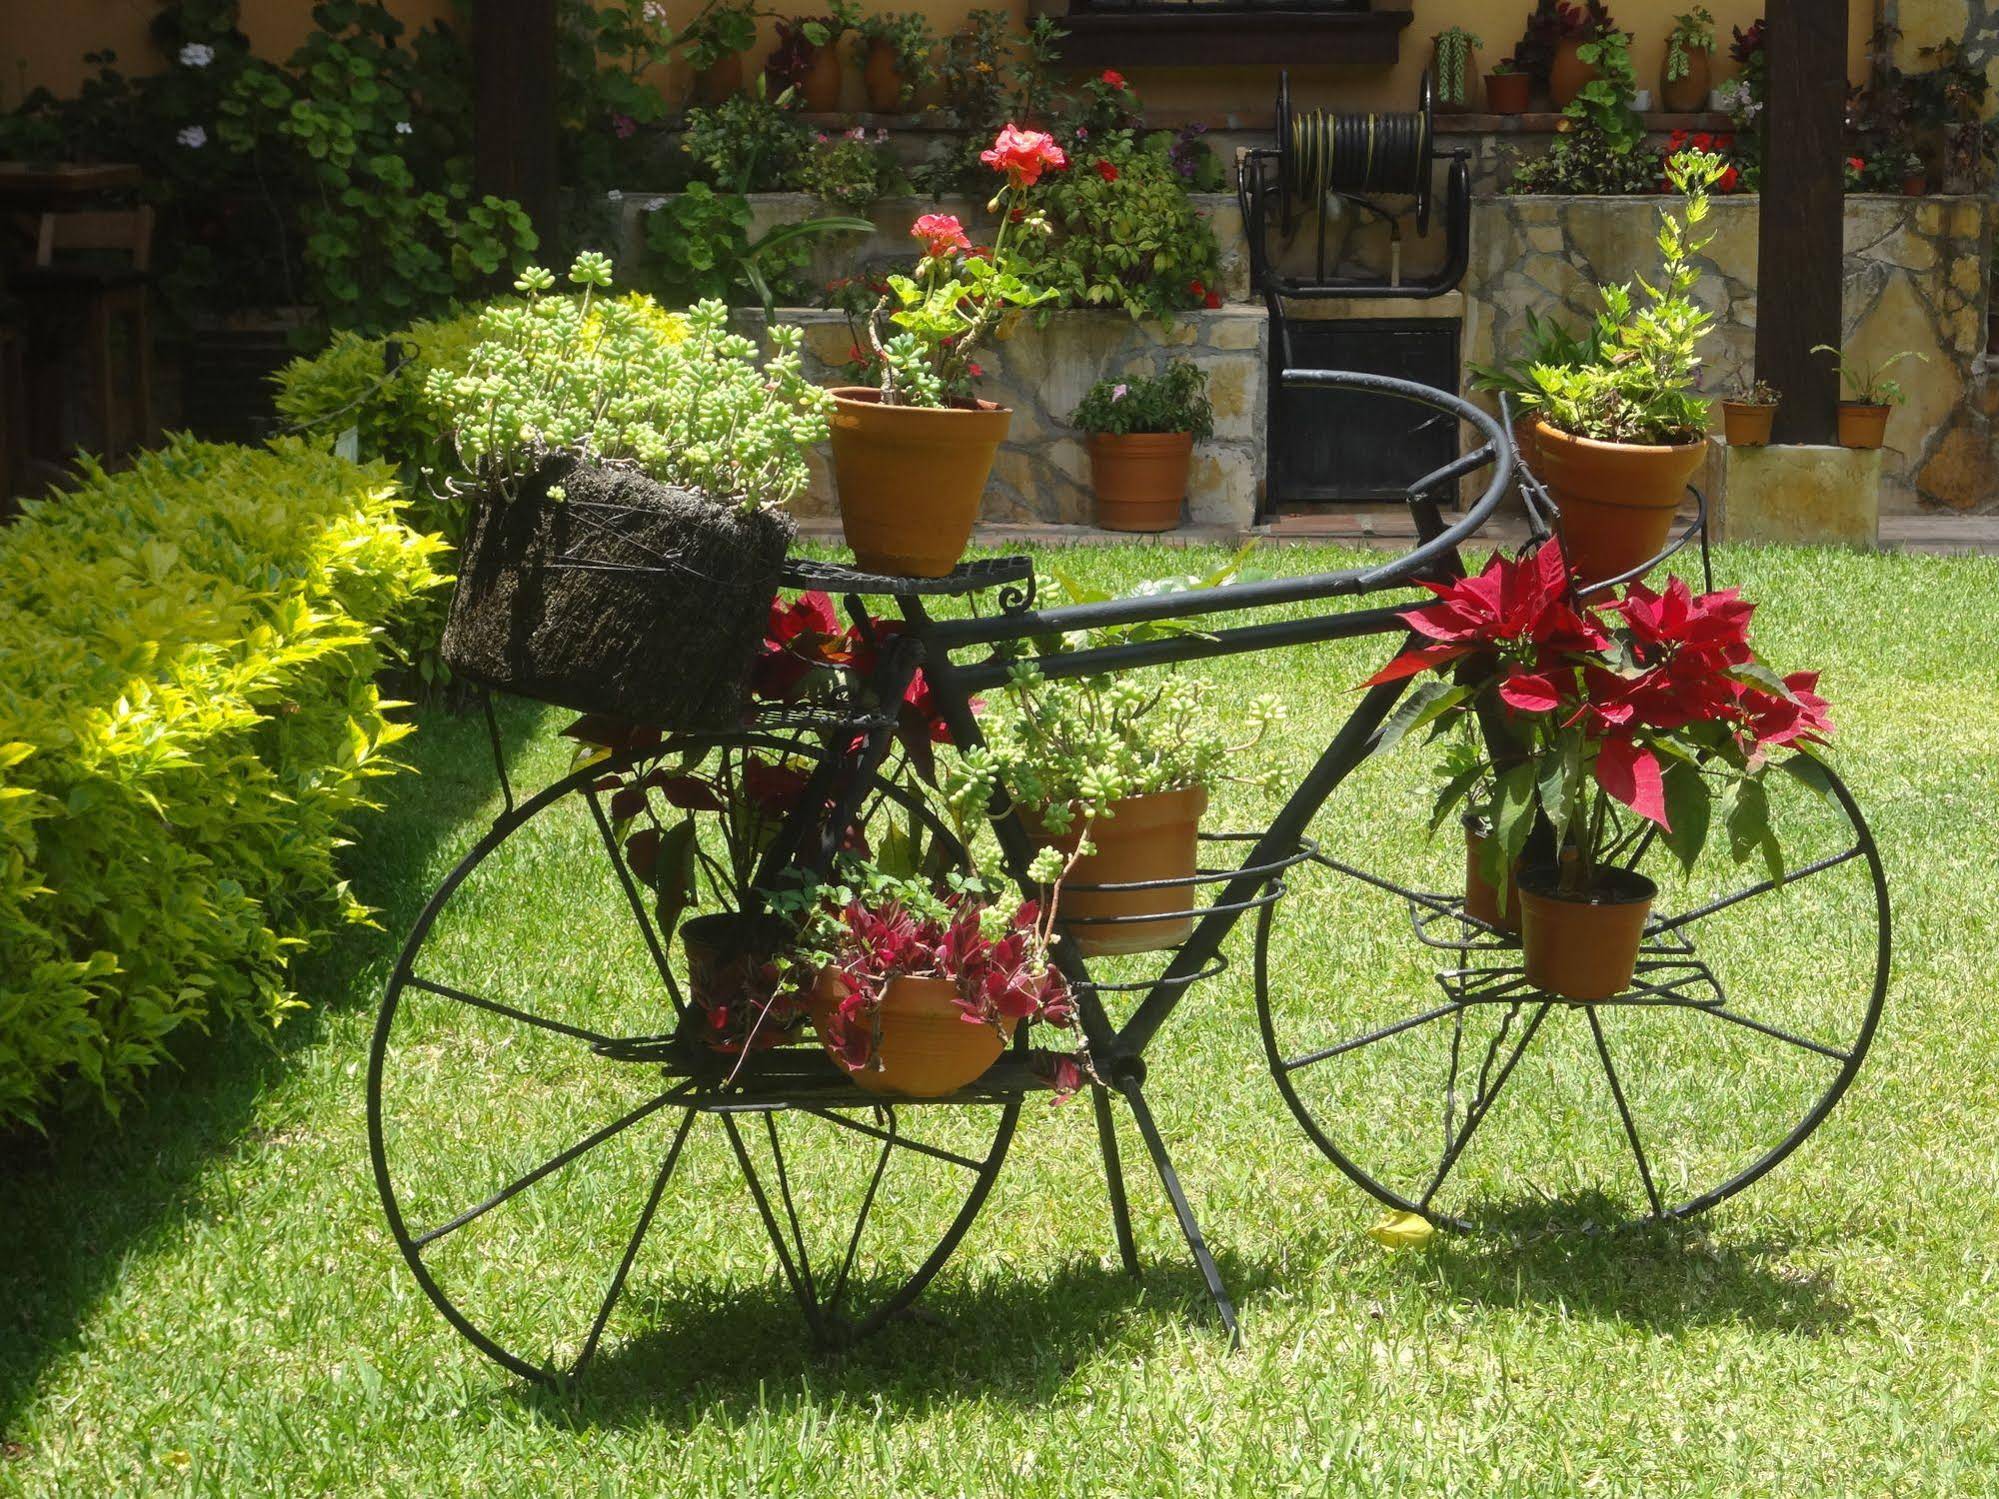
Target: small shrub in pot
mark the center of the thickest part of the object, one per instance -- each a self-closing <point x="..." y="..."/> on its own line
<point x="1747" y="413"/>
<point x="1142" y="433"/>
<point x="1870" y="396"/>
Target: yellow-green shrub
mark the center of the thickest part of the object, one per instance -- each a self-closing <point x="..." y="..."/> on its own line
<point x="188" y="723"/>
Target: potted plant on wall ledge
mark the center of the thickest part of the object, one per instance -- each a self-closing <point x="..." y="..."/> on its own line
<point x="714" y="44"/>
<point x="1747" y="413"/>
<point x="1456" y="55"/>
<point x="1871" y="397"/>
<point x="1619" y="435"/>
<point x="1142" y="433"/>
<point x="807" y="57"/>
<point x="1508" y="90"/>
<point x="1685" y="75"/>
<point x="1648" y="717"/>
<point x="893" y="49"/>
<point x="911" y="454"/>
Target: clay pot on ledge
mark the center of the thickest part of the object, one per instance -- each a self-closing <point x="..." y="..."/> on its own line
<point x="1583" y="947"/>
<point x="927" y="1048"/>
<point x="910" y="479"/>
<point x="1862" y="425"/>
<point x="1140" y="478"/>
<point x="721" y="80"/>
<point x="884" y="80"/>
<point x="1508" y="93"/>
<point x="1617" y="499"/>
<point x="1915" y="185"/>
<point x="1746" y="424"/>
<point x="1568" y="74"/>
<point x="1141" y="838"/>
<point x="824" y="81"/>
<point x="1686" y="95"/>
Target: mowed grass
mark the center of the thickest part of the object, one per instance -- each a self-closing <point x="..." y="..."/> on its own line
<point x="204" y="1298"/>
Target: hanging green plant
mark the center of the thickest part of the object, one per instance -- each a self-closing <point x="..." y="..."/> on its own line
<point x="1455" y="46"/>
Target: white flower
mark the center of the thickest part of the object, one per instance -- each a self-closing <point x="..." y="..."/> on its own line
<point x="193" y="137"/>
<point x="655" y="12"/>
<point x="1118" y="392"/>
<point x="196" y="55"/>
<point x="404" y="127"/>
<point x="654" y="205"/>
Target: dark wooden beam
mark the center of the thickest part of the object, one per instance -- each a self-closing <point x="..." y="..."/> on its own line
<point x="513" y="59"/>
<point x="1804" y="207"/>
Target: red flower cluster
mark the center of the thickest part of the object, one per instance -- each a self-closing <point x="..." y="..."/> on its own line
<point x="996" y="979"/>
<point x="1204" y="294"/>
<point x="1111" y="77"/>
<point x="941" y="234"/>
<point x="1701" y="140"/>
<point x="1645" y="666"/>
<point x="1023" y="155"/>
<point x="1106" y="169"/>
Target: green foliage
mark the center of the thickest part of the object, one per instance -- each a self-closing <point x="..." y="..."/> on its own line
<point x="1693" y="31"/>
<point x="698" y="248"/>
<point x="1867" y="383"/>
<point x="907" y="35"/>
<point x="748" y="143"/>
<point x="188" y="724"/>
<point x="1604" y="104"/>
<point x="1586" y="161"/>
<point x="1546" y="342"/>
<point x="1127" y="236"/>
<point x="605" y="49"/>
<point x="689" y="404"/>
<point x="1174" y="400"/>
<point x="853" y="171"/>
<point x="378" y="135"/>
<point x="1639" y="387"/>
<point x="1455" y="46"/>
<point x="722" y="27"/>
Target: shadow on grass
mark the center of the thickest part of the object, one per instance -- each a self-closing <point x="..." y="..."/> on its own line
<point x="1665" y="1276"/>
<point x="1012" y="1336"/>
<point x="94" y="1190"/>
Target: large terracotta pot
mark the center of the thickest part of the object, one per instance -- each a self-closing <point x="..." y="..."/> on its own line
<point x="1140" y="478"/>
<point x="1508" y="93"/>
<point x="884" y="79"/>
<point x="1568" y="73"/>
<point x="723" y="81"/>
<point x="928" y="1048"/>
<point x="1617" y="499"/>
<point x="1862" y="426"/>
<point x="824" y="80"/>
<point x="1481" y="897"/>
<point x="1746" y="424"/>
<point x="910" y="479"/>
<point x="1583" y="949"/>
<point x="1689" y="94"/>
<point x="1141" y="838"/>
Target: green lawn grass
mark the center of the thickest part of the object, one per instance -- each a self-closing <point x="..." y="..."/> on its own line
<point x="204" y="1299"/>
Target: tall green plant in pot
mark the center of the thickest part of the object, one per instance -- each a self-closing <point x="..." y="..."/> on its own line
<point x="629" y="479"/>
<point x="1142" y="433"/>
<point x="912" y="452"/>
<point x="1456" y="51"/>
<point x="1621" y="433"/>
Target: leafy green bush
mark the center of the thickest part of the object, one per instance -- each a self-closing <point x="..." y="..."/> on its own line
<point x="188" y="723"/>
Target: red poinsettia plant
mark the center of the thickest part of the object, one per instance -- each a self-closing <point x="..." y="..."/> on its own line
<point x="1649" y="710"/>
<point x="960" y="291"/>
<point x="867" y="928"/>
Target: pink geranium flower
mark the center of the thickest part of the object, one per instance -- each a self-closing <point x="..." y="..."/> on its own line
<point x="941" y="234"/>
<point x="1023" y="155"/>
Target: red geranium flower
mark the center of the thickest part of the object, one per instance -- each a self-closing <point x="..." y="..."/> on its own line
<point x="1703" y="142"/>
<point x="1023" y="155"/>
<point x="941" y="233"/>
<point x="1729" y="179"/>
<point x="1112" y="77"/>
<point x="1106" y="170"/>
<point x="1212" y="300"/>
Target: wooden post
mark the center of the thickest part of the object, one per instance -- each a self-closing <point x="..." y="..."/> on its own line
<point x="513" y="59"/>
<point x="1804" y="207"/>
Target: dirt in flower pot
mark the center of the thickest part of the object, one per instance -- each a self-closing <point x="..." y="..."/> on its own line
<point x="624" y="596"/>
<point x="1583" y="947"/>
<point x="926" y="1047"/>
<point x="1143" y="838"/>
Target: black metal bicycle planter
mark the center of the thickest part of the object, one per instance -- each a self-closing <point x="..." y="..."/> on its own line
<point x="543" y="1121"/>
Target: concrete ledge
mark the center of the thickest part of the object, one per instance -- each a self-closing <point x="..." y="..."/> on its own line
<point x="1800" y="496"/>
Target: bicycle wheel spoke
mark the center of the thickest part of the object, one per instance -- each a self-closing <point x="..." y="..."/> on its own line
<point x="861" y="1222"/>
<point x="790" y="1208"/>
<point x="632" y="1246"/>
<point x="1482" y="1106"/>
<point x="1395" y="1028"/>
<point x="859" y="1127"/>
<point x="631" y="889"/>
<point x="446" y="991"/>
<point x="1623" y="1110"/>
<point x="1721" y="1012"/>
<point x="1750" y="892"/>
<point x="555" y="1163"/>
<point x="771" y="1229"/>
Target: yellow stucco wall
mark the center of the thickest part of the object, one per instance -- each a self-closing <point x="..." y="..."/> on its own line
<point x="42" y="42"/>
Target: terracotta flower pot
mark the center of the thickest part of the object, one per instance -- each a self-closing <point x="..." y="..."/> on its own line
<point x="722" y="81"/>
<point x="1689" y="94"/>
<point x="824" y="80"/>
<point x="927" y="1047"/>
<point x="724" y="953"/>
<point x="1153" y="837"/>
<point x="1617" y="499"/>
<point x="1508" y="93"/>
<point x="1568" y="73"/>
<point x="1481" y="897"/>
<point x="1583" y="949"/>
<point x="883" y="77"/>
<point x="910" y="479"/>
<point x="1746" y="424"/>
<point x="1140" y="478"/>
<point x="1862" y="426"/>
<point x="1915" y="186"/>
